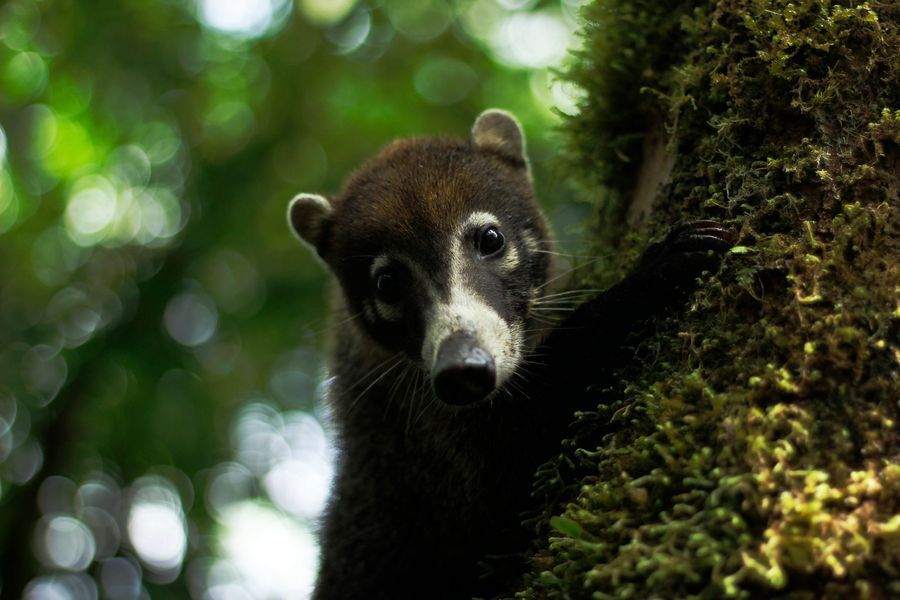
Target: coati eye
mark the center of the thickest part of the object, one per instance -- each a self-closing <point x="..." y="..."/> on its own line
<point x="490" y="241"/>
<point x="387" y="286"/>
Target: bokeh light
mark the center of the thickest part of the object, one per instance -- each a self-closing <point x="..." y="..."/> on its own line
<point x="44" y="371"/>
<point x="9" y="409"/>
<point x="9" y="204"/>
<point x="420" y="20"/>
<point x="68" y="543"/>
<point x="101" y="211"/>
<point x="70" y="586"/>
<point x="24" y="462"/>
<point x="191" y="318"/>
<point x="326" y="12"/>
<point x="533" y="39"/>
<point x="352" y="33"/>
<point x="272" y="555"/>
<point x="156" y="527"/>
<point x="3" y="147"/>
<point x="299" y="483"/>
<point x="245" y="18"/>
<point x="120" y="578"/>
<point x="25" y="75"/>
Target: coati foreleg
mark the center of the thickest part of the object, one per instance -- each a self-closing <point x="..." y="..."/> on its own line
<point x="593" y="336"/>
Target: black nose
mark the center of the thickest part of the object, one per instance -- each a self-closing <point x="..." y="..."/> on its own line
<point x="463" y="371"/>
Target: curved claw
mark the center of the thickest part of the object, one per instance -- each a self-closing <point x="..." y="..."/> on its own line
<point x="687" y="250"/>
<point x="697" y="224"/>
<point x="702" y="240"/>
<point x="701" y="227"/>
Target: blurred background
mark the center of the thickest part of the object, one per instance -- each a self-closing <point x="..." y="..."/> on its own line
<point x="161" y="429"/>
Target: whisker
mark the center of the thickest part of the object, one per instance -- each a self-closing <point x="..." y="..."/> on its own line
<point x="560" y="240"/>
<point x="395" y="387"/>
<point x="322" y="326"/>
<point x="432" y="402"/>
<point x="572" y="292"/>
<point x="565" y="295"/>
<point x="542" y="319"/>
<point x="410" y="400"/>
<point x="564" y="254"/>
<point x="515" y="386"/>
<point x="379" y="378"/>
<point x="410" y="395"/>
<point x="558" y="302"/>
<point x="562" y="299"/>
<point x="374" y="369"/>
<point x="568" y="272"/>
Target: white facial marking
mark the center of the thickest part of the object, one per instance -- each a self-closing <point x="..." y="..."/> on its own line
<point x="466" y="312"/>
<point x="380" y="261"/>
<point x="387" y="312"/>
<point x="478" y="219"/>
<point x="530" y="241"/>
<point x="510" y="258"/>
<point x="369" y="311"/>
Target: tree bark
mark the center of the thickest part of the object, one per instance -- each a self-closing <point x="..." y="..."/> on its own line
<point x="755" y="450"/>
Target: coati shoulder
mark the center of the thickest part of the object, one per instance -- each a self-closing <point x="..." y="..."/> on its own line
<point x="449" y="386"/>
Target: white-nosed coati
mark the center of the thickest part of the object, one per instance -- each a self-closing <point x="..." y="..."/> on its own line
<point x="449" y="390"/>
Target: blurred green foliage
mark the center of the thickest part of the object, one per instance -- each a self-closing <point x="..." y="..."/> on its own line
<point x="159" y="326"/>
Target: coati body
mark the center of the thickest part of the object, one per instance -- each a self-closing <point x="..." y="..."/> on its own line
<point x="450" y="388"/>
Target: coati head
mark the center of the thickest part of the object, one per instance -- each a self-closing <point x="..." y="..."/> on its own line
<point x="440" y="247"/>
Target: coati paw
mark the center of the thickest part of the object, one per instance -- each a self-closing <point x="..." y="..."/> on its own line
<point x="687" y="250"/>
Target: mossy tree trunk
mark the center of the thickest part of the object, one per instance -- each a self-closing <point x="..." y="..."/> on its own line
<point x="754" y="451"/>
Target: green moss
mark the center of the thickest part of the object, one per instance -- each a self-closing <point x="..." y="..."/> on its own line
<point x="603" y="148"/>
<point x="754" y="451"/>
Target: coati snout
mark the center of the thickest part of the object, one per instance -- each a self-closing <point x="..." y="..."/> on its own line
<point x="463" y="371"/>
<point x="439" y="248"/>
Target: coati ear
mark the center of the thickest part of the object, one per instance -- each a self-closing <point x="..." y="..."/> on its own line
<point x="308" y="215"/>
<point x="499" y="131"/>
